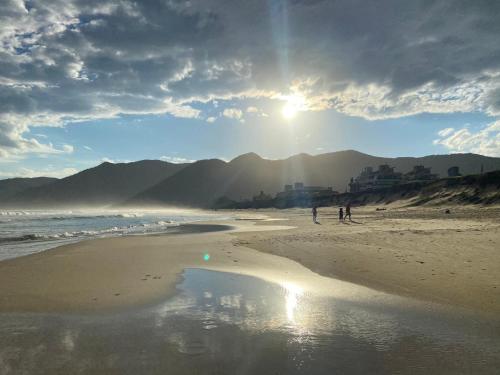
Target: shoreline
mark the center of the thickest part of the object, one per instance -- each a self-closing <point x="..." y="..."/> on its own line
<point x="114" y="272"/>
<point x="419" y="254"/>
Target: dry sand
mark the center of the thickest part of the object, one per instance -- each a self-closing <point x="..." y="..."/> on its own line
<point x="423" y="253"/>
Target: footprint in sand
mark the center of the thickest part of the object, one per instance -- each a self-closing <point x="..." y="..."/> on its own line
<point x="117" y="294"/>
<point x="234" y="260"/>
<point x="144" y="279"/>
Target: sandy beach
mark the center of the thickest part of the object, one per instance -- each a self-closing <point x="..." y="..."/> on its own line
<point x="418" y="252"/>
<point x="423" y="253"/>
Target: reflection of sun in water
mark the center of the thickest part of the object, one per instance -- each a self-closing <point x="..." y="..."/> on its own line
<point x="293" y="105"/>
<point x="293" y="292"/>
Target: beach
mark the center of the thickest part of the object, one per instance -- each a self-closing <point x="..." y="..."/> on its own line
<point x="422" y="253"/>
<point x="410" y="291"/>
<point x="418" y="252"/>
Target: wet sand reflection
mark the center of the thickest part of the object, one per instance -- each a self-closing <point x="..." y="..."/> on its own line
<point x="224" y="323"/>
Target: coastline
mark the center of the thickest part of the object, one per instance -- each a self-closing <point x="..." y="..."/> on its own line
<point x="414" y="253"/>
<point x="115" y="272"/>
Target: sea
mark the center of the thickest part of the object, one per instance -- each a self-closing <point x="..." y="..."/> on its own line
<point x="24" y="232"/>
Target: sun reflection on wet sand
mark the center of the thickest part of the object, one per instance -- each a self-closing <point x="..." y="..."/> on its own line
<point x="242" y="324"/>
<point x="292" y="295"/>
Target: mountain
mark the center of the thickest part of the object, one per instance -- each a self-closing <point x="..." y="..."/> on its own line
<point x="105" y="184"/>
<point x="12" y="186"/>
<point x="202" y="182"/>
<point x="199" y="184"/>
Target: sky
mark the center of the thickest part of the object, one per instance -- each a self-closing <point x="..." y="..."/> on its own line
<point x="87" y="81"/>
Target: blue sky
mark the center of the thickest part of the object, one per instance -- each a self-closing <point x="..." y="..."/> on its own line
<point x="132" y="138"/>
<point x="82" y="82"/>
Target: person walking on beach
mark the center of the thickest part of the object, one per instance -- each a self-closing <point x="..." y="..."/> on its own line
<point x="348" y="211"/>
<point x="315" y="214"/>
<point x="341" y="214"/>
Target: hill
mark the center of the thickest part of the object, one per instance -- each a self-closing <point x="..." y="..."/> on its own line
<point x="12" y="186"/>
<point x="202" y="182"/>
<point x="105" y="184"/>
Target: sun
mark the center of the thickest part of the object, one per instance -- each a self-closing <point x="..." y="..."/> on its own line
<point x="293" y="105"/>
<point x="289" y="111"/>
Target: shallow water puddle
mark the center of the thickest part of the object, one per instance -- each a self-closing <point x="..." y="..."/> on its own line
<point x="225" y="323"/>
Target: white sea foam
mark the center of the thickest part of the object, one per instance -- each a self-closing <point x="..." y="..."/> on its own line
<point x="26" y="231"/>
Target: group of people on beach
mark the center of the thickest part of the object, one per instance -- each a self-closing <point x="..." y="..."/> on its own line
<point x="342" y="216"/>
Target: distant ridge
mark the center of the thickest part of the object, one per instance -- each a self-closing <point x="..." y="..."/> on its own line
<point x="12" y="186"/>
<point x="199" y="184"/>
<point x="202" y="182"/>
<point x="105" y="184"/>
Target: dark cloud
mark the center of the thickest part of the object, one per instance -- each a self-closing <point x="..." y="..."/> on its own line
<point x="89" y="58"/>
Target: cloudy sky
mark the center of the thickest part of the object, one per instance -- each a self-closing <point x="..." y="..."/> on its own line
<point x="82" y="81"/>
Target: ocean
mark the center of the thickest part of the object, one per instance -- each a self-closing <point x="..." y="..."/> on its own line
<point x="30" y="231"/>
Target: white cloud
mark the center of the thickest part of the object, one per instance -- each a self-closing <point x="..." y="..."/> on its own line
<point x="445" y="132"/>
<point x="88" y="148"/>
<point x="233" y="113"/>
<point x="114" y="161"/>
<point x="256" y="111"/>
<point x="485" y="141"/>
<point x="68" y="149"/>
<point x="211" y="119"/>
<point x="176" y="159"/>
<point x="45" y="172"/>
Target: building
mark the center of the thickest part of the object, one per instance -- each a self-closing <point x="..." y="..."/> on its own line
<point x="369" y="179"/>
<point x="420" y="173"/>
<point x="454" y="172"/>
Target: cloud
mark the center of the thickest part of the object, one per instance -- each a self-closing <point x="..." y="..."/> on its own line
<point x="485" y="141"/>
<point x="68" y="149"/>
<point x="233" y="113"/>
<point x="211" y="119"/>
<point x="75" y="60"/>
<point x="445" y="132"/>
<point x="114" y="161"/>
<point x="45" y="172"/>
<point x="88" y="148"/>
<point x="176" y="159"/>
<point x="256" y="111"/>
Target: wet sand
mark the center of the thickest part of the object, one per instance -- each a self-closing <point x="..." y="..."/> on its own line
<point x="113" y="273"/>
<point x="225" y="323"/>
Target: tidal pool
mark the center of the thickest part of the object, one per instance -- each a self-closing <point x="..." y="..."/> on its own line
<point x="226" y="323"/>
